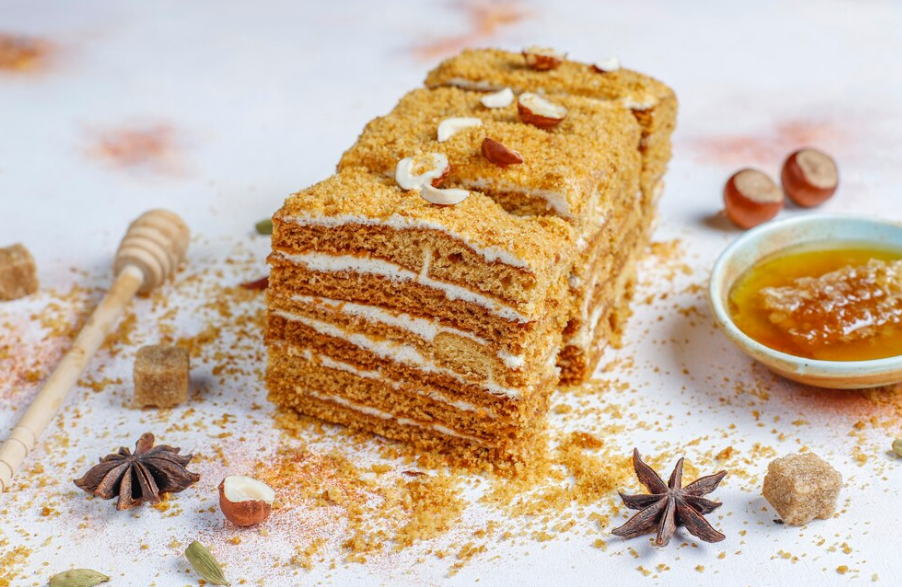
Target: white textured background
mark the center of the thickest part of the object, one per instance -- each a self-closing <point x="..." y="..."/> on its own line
<point x="256" y="99"/>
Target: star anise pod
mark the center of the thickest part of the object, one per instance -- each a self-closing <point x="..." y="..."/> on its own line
<point x="145" y="475"/>
<point x="670" y="505"/>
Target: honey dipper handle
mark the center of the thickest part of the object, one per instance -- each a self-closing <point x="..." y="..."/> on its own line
<point x="151" y="250"/>
<point x="40" y="413"/>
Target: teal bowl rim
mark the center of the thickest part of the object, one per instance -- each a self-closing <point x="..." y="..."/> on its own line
<point x="722" y="316"/>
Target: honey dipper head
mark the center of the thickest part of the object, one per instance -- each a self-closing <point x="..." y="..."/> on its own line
<point x="156" y="243"/>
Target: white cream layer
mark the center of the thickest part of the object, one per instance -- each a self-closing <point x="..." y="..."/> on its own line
<point x="394" y="351"/>
<point x="646" y="102"/>
<point x="586" y="333"/>
<point x="657" y="191"/>
<point x="632" y="102"/>
<point x="331" y="363"/>
<point x="371" y="411"/>
<point x="587" y="292"/>
<point x="554" y="200"/>
<point x="477" y="86"/>
<point x="422" y="327"/>
<point x="583" y="337"/>
<point x="333" y="263"/>
<point x="396" y="222"/>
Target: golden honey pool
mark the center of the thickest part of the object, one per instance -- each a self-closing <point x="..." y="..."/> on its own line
<point x="834" y="301"/>
<point x="816" y="298"/>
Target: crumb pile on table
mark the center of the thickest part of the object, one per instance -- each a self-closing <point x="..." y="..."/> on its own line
<point x="450" y="326"/>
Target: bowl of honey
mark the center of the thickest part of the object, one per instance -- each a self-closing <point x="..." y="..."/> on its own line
<point x="817" y="299"/>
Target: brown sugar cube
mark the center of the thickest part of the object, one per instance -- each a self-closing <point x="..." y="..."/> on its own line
<point x="161" y="376"/>
<point x="18" y="273"/>
<point x="802" y="487"/>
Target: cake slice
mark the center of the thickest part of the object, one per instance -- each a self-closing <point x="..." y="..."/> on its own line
<point x="653" y="103"/>
<point x="585" y="170"/>
<point x="434" y="325"/>
<point x="471" y="252"/>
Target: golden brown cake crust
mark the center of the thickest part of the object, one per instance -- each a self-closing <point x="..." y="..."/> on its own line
<point x="564" y="167"/>
<point x="357" y="196"/>
<point x="652" y="102"/>
<point x="493" y="69"/>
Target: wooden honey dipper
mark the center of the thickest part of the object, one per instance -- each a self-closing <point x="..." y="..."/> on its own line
<point x="151" y="250"/>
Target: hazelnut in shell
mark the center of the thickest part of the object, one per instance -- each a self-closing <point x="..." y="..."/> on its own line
<point x="809" y="177"/>
<point x="751" y="198"/>
<point x="245" y="501"/>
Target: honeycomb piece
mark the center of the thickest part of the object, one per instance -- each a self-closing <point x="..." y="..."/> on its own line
<point x="845" y="305"/>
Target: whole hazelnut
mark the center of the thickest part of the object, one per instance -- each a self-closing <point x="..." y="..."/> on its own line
<point x="809" y="177"/>
<point x="245" y="501"/>
<point x="751" y="198"/>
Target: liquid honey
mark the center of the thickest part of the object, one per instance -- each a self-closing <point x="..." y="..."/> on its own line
<point x="881" y="337"/>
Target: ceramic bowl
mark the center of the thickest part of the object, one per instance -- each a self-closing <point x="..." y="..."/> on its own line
<point x="772" y="237"/>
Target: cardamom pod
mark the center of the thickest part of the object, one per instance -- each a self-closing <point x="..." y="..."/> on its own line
<point x="78" y="578"/>
<point x="897" y="447"/>
<point x="205" y="563"/>
<point x="264" y="226"/>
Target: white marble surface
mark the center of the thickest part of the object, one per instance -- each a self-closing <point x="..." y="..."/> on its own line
<point x="246" y="102"/>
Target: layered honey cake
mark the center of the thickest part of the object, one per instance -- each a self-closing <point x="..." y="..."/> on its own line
<point x="437" y="325"/>
<point x="476" y="247"/>
<point x="585" y="170"/>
